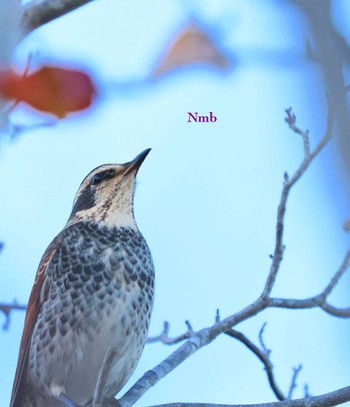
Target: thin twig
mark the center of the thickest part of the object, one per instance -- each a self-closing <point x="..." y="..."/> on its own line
<point x="306" y="391"/>
<point x="15" y="130"/>
<point x="334" y="281"/>
<point x="262" y="356"/>
<point x="293" y="384"/>
<point x="287" y="186"/>
<point x="7" y="309"/>
<point x="164" y="336"/>
<point x="291" y="121"/>
<point x="266" y="351"/>
<point x="319" y="300"/>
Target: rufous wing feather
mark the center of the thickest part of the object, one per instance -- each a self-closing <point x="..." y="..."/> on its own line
<point x="35" y="301"/>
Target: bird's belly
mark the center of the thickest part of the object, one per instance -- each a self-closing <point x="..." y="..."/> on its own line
<point x="82" y="375"/>
<point x="72" y="362"/>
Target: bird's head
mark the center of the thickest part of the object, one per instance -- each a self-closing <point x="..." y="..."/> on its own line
<point x="106" y="194"/>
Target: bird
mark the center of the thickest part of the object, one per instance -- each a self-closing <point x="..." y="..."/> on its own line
<point x="93" y="291"/>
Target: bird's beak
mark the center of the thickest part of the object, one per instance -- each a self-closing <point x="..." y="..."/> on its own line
<point x="135" y="164"/>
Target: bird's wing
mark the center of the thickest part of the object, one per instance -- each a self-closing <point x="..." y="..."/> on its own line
<point x="36" y="299"/>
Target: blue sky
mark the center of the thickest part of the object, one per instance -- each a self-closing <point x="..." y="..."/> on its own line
<point x="207" y="194"/>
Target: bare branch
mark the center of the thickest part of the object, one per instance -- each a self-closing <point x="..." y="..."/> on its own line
<point x="306" y="391"/>
<point x="307" y="303"/>
<point x="293" y="384"/>
<point x="291" y="121"/>
<point x="16" y="130"/>
<point x="164" y="336"/>
<point x="287" y="186"/>
<point x="336" y="312"/>
<point x="7" y="309"/>
<point x="333" y="398"/>
<point x="322" y="143"/>
<point x="263" y="357"/>
<point x="319" y="300"/>
<point x="266" y="351"/>
<point x="343" y="267"/>
<point x="294" y="303"/>
<point x="39" y="12"/>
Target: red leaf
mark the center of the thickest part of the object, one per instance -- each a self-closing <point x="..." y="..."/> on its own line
<point x="50" y="89"/>
<point x="8" y="83"/>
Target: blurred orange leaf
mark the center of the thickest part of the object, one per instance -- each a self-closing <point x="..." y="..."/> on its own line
<point x="50" y="89"/>
<point x="192" y="45"/>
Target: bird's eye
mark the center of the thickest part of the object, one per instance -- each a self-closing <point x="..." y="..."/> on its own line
<point x="96" y="179"/>
<point x="102" y="176"/>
